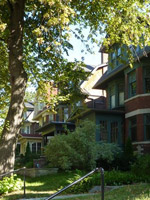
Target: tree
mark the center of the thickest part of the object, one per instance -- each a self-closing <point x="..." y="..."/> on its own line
<point x="35" y="34"/>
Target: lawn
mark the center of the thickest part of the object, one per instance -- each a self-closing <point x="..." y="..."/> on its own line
<point x="46" y="185"/>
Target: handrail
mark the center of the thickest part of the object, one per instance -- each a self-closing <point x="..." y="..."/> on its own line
<point x="24" y="177"/>
<point x="93" y="171"/>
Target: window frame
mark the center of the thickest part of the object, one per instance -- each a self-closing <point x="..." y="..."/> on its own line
<point x="146" y="77"/>
<point x="133" y="126"/>
<point x="114" y="131"/>
<point x="131" y="81"/>
<point x="145" y="127"/>
<point x="103" y="130"/>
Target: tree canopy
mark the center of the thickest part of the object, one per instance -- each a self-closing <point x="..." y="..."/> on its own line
<point x="34" y="35"/>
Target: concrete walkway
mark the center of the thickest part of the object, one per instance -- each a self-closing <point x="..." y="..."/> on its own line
<point x="62" y="197"/>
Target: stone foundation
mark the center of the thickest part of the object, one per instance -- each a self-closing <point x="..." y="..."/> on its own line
<point x="36" y="172"/>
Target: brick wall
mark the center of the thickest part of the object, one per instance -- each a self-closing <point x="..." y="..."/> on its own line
<point x="137" y="103"/>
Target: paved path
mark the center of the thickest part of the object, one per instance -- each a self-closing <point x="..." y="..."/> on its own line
<point x="62" y="197"/>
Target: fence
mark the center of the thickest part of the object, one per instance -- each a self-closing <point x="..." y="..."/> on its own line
<point x="65" y="188"/>
<point x="90" y="173"/>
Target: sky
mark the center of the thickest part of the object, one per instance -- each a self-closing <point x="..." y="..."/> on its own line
<point x="78" y="46"/>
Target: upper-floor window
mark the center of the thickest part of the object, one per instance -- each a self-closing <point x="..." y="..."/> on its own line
<point x="66" y="113"/>
<point x="112" y="98"/>
<point x="41" y="105"/>
<point x="113" y="60"/>
<point x="132" y="83"/>
<point x="51" y="117"/>
<point x="118" y="58"/>
<point x="121" y="95"/>
<point x="25" y="129"/>
<point x="147" y="79"/>
<point x="133" y="129"/>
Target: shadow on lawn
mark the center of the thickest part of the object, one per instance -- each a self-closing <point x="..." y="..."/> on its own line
<point x="52" y="182"/>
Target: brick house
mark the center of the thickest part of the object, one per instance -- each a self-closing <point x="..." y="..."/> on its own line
<point x="128" y="92"/>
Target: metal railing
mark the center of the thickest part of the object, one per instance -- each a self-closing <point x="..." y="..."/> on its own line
<point x="93" y="171"/>
<point x="24" y="177"/>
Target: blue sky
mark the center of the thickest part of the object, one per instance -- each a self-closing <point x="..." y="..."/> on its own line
<point x="90" y="59"/>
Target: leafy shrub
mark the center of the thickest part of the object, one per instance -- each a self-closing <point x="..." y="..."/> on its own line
<point x="24" y="161"/>
<point x="111" y="178"/>
<point x="106" y="154"/>
<point x="9" y="184"/>
<point x="77" y="150"/>
<point x="142" y="167"/>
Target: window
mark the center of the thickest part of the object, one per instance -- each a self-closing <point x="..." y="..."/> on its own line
<point x="133" y="129"/>
<point x="24" y="115"/>
<point x="25" y="129"/>
<point x="132" y="83"/>
<point x="34" y="148"/>
<point x="112" y="98"/>
<point x="121" y="95"/>
<point x="113" y="59"/>
<point x="147" y="79"/>
<point x="40" y="106"/>
<point x="51" y="117"/>
<point x="39" y="147"/>
<point x="66" y="114"/>
<point x="114" y="132"/>
<point x="118" y="56"/>
<point x="147" y="126"/>
<point x="103" y="130"/>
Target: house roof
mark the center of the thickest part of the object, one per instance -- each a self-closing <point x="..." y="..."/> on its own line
<point x="89" y="110"/>
<point x="101" y="83"/>
<point x="36" y="136"/>
<point x="29" y="105"/>
<point x="46" y="126"/>
<point x="109" y="75"/>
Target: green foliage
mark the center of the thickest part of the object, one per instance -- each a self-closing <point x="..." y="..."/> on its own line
<point x="75" y="150"/>
<point x="107" y="152"/>
<point x="141" y="166"/>
<point x="9" y="184"/>
<point x="112" y="178"/>
<point x="79" y="150"/>
<point x="26" y="161"/>
<point x="128" y="151"/>
<point x="27" y="153"/>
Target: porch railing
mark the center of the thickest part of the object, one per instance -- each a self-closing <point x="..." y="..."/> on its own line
<point x="24" y="178"/>
<point x="90" y="173"/>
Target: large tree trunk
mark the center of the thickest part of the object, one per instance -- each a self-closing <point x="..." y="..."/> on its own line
<point x="18" y="80"/>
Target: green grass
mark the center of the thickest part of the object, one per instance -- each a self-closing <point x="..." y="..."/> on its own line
<point x="130" y="192"/>
<point x="46" y="185"/>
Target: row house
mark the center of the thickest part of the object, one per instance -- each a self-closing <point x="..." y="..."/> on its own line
<point x="128" y="98"/>
<point x="28" y="132"/>
<point x="52" y="123"/>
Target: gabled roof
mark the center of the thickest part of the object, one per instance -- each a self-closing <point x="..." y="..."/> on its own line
<point x="29" y="105"/>
<point x="89" y="110"/>
<point x="101" y="83"/>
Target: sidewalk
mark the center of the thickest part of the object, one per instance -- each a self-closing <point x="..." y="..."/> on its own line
<point x="62" y="197"/>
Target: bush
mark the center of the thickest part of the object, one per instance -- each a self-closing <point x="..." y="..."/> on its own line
<point x="77" y="150"/>
<point x="9" y="184"/>
<point x="142" y="167"/>
<point x="111" y="178"/>
<point x="24" y="161"/>
<point x="107" y="153"/>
